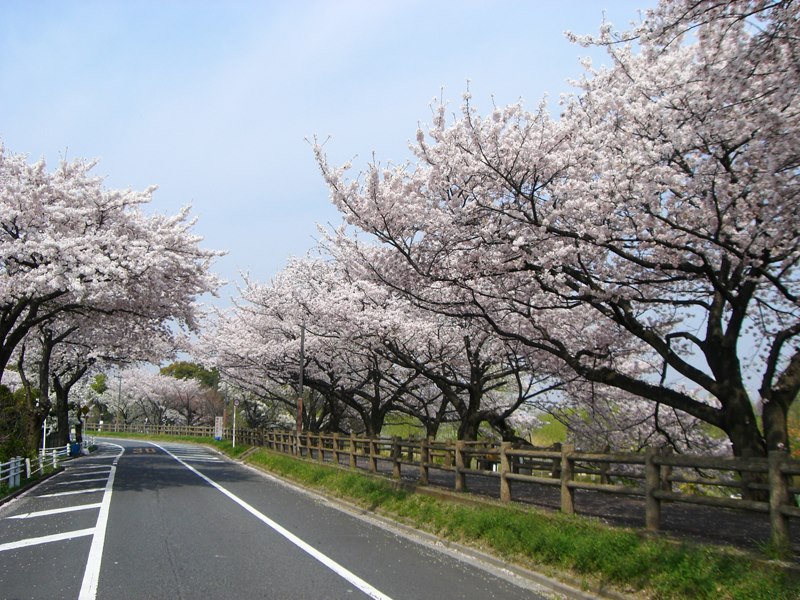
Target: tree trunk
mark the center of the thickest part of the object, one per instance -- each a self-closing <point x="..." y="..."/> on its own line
<point x="776" y="430"/>
<point x="468" y="429"/>
<point x="747" y="441"/>
<point x="62" y="414"/>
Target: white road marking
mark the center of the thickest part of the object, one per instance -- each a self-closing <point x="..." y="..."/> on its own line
<point x="82" y="472"/>
<point x="305" y="547"/>
<point x="71" y="481"/>
<point x="46" y="539"/>
<point x="92" y="573"/>
<point x="72" y="493"/>
<point x="55" y="511"/>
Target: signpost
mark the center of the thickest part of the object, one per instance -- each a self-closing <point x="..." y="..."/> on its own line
<point x="218" y="428"/>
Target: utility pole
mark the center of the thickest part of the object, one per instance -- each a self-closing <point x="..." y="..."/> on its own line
<point x="300" y="379"/>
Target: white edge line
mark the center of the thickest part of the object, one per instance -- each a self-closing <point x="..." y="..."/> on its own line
<point x="46" y="539"/>
<point x="92" y="573"/>
<point x="307" y="548"/>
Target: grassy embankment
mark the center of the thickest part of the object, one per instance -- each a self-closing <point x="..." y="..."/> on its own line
<point x="582" y="549"/>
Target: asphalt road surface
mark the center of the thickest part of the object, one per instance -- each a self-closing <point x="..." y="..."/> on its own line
<point x="177" y="521"/>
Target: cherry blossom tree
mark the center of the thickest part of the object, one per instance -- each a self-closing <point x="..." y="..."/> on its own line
<point x="648" y="239"/>
<point x="369" y="352"/>
<point x="77" y="259"/>
<point x="147" y="397"/>
<point x="69" y="245"/>
<point x="71" y="345"/>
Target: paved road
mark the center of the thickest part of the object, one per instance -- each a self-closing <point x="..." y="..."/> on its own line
<point x="139" y="520"/>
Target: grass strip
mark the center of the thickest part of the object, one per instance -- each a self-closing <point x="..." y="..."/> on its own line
<point x="600" y="555"/>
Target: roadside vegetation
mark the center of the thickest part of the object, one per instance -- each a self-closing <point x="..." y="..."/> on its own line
<point x="573" y="548"/>
<point x="598" y="556"/>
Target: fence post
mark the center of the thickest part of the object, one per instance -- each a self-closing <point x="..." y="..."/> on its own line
<point x="461" y="479"/>
<point x="652" y="483"/>
<point x="320" y="448"/>
<point x="665" y="471"/>
<point x="778" y="497"/>
<point x="336" y="449"/>
<point x="556" y="469"/>
<point x="15" y="470"/>
<point x="448" y="456"/>
<point x="353" y="459"/>
<point x="505" y="484"/>
<point x="373" y="455"/>
<point x="396" y="450"/>
<point x="567" y="493"/>
<point x="424" y="459"/>
<point x="27" y="468"/>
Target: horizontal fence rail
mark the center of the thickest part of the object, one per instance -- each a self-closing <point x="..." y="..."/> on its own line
<point x="19" y="470"/>
<point x="654" y="476"/>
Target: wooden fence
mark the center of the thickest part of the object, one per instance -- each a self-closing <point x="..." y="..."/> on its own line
<point x="762" y="485"/>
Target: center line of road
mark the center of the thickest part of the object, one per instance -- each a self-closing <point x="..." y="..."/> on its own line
<point x="305" y="547"/>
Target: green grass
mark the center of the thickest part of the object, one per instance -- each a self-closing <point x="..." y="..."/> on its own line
<point x="549" y="433"/>
<point x="581" y="547"/>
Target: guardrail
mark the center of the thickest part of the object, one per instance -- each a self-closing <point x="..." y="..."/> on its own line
<point x="18" y="469"/>
<point x="11" y="471"/>
<point x="764" y="485"/>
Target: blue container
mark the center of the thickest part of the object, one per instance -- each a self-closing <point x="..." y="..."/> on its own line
<point x="75" y="449"/>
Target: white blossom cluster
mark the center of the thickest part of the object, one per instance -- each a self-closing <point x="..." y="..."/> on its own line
<point x="646" y="241"/>
<point x="87" y="279"/>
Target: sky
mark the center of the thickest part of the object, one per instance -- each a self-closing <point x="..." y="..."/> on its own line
<point x="215" y="101"/>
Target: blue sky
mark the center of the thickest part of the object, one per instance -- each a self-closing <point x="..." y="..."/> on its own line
<point x="213" y="101"/>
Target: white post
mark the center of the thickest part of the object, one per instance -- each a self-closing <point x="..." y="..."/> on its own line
<point x="235" y="404"/>
<point x="27" y="468"/>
